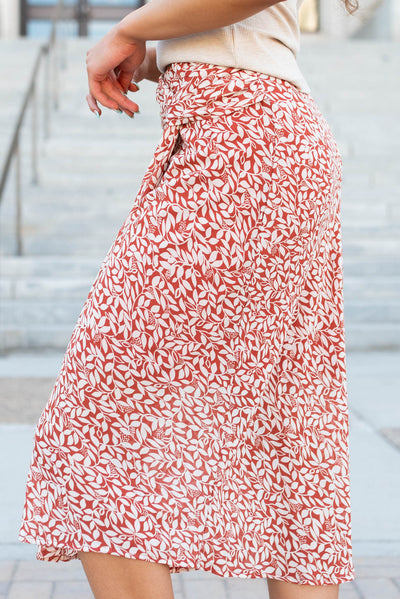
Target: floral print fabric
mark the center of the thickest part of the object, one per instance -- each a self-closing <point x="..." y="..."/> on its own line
<point x="200" y="415"/>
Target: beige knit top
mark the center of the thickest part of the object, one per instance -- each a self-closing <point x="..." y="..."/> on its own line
<point x="267" y="42"/>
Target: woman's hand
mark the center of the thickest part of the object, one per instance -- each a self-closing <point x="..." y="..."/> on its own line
<point x="112" y="62"/>
<point x="110" y="66"/>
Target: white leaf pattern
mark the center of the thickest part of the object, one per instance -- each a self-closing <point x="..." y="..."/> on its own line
<point x="200" y="415"/>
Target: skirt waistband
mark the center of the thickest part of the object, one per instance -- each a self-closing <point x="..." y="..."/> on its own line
<point x="188" y="91"/>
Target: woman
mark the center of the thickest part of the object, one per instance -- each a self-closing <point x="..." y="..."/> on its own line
<point x="199" y="420"/>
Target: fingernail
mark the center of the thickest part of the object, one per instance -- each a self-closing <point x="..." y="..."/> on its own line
<point x="97" y="113"/>
<point x="117" y="110"/>
<point x="137" y="84"/>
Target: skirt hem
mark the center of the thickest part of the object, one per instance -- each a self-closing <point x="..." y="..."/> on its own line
<point x="54" y="553"/>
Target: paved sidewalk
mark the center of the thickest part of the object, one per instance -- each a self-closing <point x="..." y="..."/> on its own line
<point x="377" y="578"/>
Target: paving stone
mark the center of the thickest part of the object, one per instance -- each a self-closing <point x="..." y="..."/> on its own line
<point x="240" y="588"/>
<point x="7" y="568"/>
<point x="195" y="588"/>
<point x="23" y="399"/>
<point x="70" y="581"/>
<point x="348" y="591"/>
<point x="176" y="579"/>
<point x="376" y="567"/>
<point x="30" y="590"/>
<point x="75" y="590"/>
<point x="372" y="588"/>
<point x="49" y="571"/>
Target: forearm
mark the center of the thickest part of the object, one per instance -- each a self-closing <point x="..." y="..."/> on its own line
<point x="166" y="19"/>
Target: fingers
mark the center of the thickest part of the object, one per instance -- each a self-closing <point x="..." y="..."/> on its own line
<point x="93" y="105"/>
<point x="124" y="80"/>
<point x="110" y="94"/>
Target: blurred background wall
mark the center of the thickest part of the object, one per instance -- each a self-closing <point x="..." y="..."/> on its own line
<point x="376" y="18"/>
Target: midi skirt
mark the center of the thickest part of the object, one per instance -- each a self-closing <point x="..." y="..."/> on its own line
<point x="200" y="415"/>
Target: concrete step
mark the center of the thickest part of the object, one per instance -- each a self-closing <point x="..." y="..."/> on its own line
<point x="370" y="233"/>
<point x="38" y="288"/>
<point x="370" y="267"/>
<point x="65" y="241"/>
<point x="74" y="238"/>
<point x="372" y="289"/>
<point x="45" y="265"/>
<point x="369" y="336"/>
<point x="117" y="197"/>
<point x="367" y="248"/>
<point x="50" y="311"/>
<point x="68" y="285"/>
<point x="359" y="337"/>
<point x="15" y="267"/>
<point x="29" y="337"/>
<point x="372" y="310"/>
<point x="142" y="139"/>
<point x="359" y="266"/>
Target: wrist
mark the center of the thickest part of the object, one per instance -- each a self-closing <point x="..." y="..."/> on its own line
<point x="125" y="30"/>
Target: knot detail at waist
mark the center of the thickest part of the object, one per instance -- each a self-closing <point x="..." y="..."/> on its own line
<point x="191" y="91"/>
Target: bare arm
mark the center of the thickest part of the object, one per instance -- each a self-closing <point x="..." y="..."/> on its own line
<point x="165" y="19"/>
<point x="113" y="60"/>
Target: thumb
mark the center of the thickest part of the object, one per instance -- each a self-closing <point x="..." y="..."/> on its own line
<point x="125" y="78"/>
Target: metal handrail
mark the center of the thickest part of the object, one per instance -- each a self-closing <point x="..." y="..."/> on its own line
<point x="30" y="95"/>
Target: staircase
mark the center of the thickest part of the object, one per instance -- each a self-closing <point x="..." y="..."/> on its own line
<point x="355" y="83"/>
<point x="90" y="170"/>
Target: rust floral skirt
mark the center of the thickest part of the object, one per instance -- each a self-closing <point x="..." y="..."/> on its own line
<point x="200" y="415"/>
